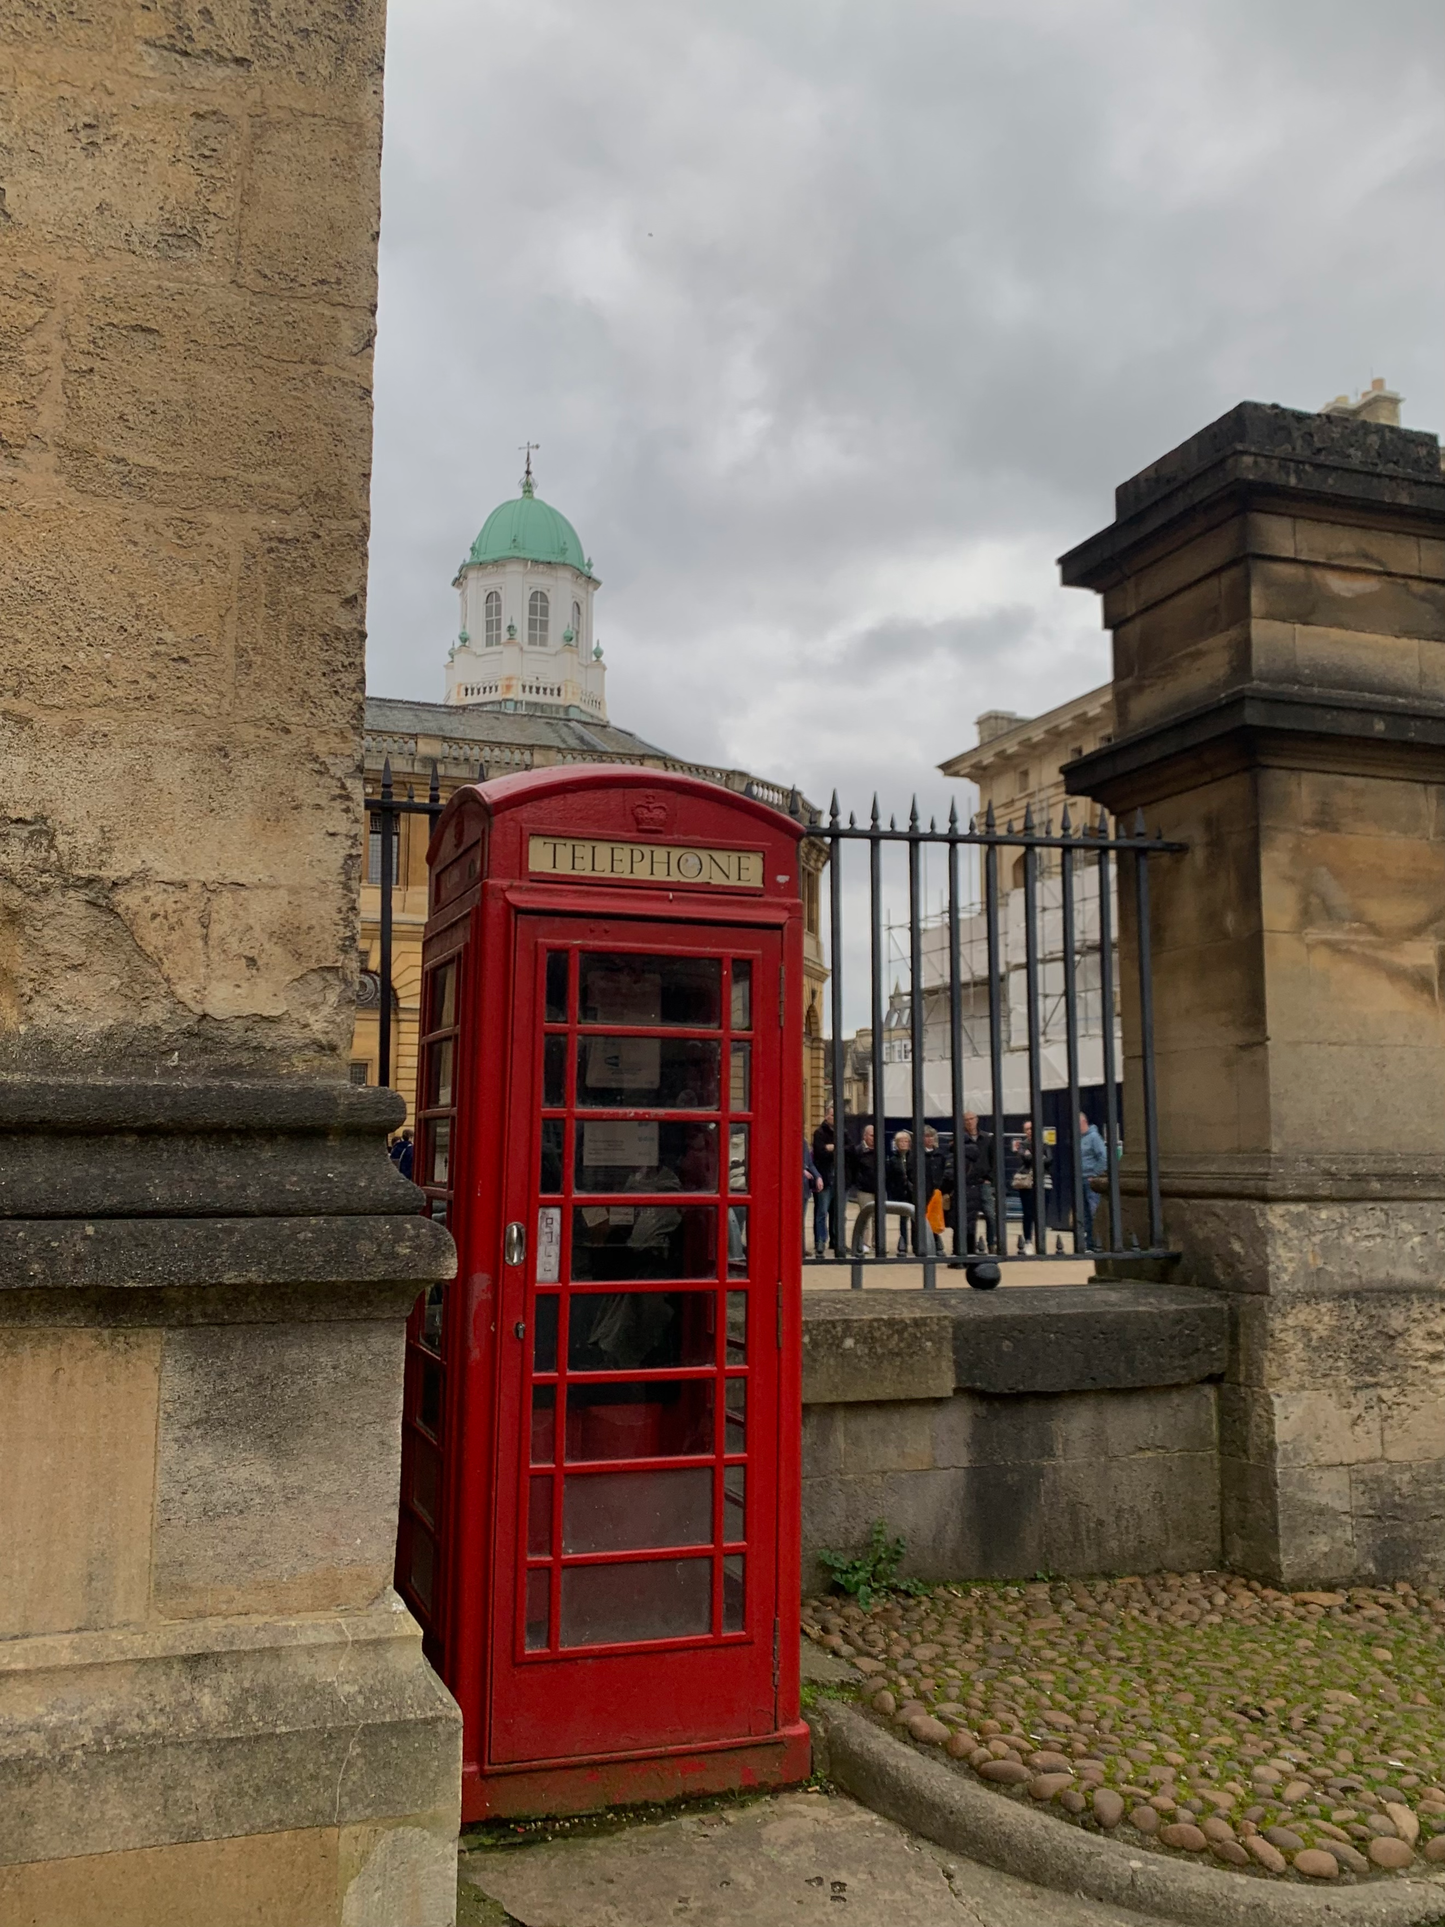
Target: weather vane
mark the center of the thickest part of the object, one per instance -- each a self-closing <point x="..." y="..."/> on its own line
<point x="531" y="448"/>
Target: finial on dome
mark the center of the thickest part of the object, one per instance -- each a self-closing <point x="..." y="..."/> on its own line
<point x="597" y="652"/>
<point x="527" y="488"/>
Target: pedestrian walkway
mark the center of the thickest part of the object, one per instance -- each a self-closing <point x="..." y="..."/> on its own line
<point x="788" y="1860"/>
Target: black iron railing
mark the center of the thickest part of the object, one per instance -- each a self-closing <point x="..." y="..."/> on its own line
<point x="1069" y="854"/>
<point x="383" y="818"/>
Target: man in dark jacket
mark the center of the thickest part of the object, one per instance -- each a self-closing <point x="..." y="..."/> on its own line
<point x="825" y="1150"/>
<point x="978" y="1198"/>
<point x="898" y="1179"/>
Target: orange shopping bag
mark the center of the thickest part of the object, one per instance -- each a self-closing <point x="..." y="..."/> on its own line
<point x="934" y="1214"/>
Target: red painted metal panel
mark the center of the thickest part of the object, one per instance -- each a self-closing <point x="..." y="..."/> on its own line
<point x="613" y="1521"/>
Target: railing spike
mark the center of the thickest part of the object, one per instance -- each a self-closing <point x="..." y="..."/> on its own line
<point x="1065" y="826"/>
<point x="833" y="812"/>
<point x="953" y="816"/>
<point x="893" y="823"/>
<point x="434" y="788"/>
<point x="988" y="817"/>
<point x="1028" y="819"/>
<point x="933" y="826"/>
<point x="913" y="815"/>
<point x="852" y="820"/>
<point x="1140" y="828"/>
<point x="386" y="777"/>
<point x="875" y="810"/>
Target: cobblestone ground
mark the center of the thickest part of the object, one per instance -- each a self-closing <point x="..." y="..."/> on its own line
<point x="787" y="1861"/>
<point x="1296" y="1735"/>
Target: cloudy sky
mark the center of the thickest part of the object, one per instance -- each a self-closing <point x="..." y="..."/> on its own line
<point x="838" y="320"/>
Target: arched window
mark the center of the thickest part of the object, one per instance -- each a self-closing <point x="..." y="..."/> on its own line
<point x="493" y="620"/>
<point x="577" y="623"/>
<point x="537" y="620"/>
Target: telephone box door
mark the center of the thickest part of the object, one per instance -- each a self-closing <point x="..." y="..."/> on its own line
<point x="635" y="1596"/>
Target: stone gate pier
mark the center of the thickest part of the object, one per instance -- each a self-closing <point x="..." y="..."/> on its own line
<point x="212" y="1707"/>
<point x="1276" y="591"/>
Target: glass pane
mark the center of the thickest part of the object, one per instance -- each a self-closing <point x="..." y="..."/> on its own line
<point x="648" y="1154"/>
<point x="544" y="1424"/>
<point x="622" y="1241"/>
<point x="554" y="1071"/>
<point x="539" y="1516"/>
<point x="737" y="1241"/>
<point x="738" y="1157"/>
<point x="646" y="1599"/>
<point x="742" y="994"/>
<point x="553" y="1133"/>
<point x="437" y="1210"/>
<point x="556" y="1005"/>
<point x="679" y="1072"/>
<point x="431" y="1318"/>
<point x="425" y="1478"/>
<point x="735" y="1415"/>
<point x="734" y="1593"/>
<point x="626" y="1331"/>
<point x="439" y="1137"/>
<point x="737" y="1327"/>
<point x="740" y="1085"/>
<point x="544" y="1334"/>
<point x="549" y="1244"/>
<point x="651" y="990"/>
<point x="430" y="1404"/>
<point x="423" y="1566"/>
<point x="539" y="1598"/>
<point x="643" y="1419"/>
<point x="623" y="1511"/>
<point x="441" y="1071"/>
<point x="735" y="1492"/>
<point x="444" y="997"/>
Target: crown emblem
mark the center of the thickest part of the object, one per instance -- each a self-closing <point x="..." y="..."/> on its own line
<point x="650" y="814"/>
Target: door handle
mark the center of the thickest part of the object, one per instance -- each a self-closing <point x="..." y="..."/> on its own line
<point x="514" y="1243"/>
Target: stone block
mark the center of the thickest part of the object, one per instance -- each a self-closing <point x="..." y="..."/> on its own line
<point x="893" y="1437"/>
<point x="311" y="214"/>
<point x="77" y="1440"/>
<point x="1351" y="545"/>
<point x="1412" y="1423"/>
<point x="1112" y="1515"/>
<point x="90" y="172"/>
<point x="822" y="1441"/>
<point x="1364" y="601"/>
<point x="1249" y="1518"/>
<point x="1398" y="1519"/>
<point x="1128" y="1425"/>
<point x="276" y="1468"/>
<point x="27" y="301"/>
<point x="874" y="1351"/>
<point x="323" y="51"/>
<point x="1325" y="1428"/>
<point x="281" y="423"/>
<point x="977" y="1432"/>
<point x="1315" y="1524"/>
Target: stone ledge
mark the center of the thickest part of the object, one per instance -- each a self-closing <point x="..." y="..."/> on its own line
<point x="1260" y="449"/>
<point x="929" y="1798"/>
<point x="151" y="1735"/>
<point x="273" y="1106"/>
<point x="149" y="1254"/>
<point x="1038" y="1339"/>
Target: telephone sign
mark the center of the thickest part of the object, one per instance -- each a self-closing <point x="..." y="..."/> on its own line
<point x="599" y="1526"/>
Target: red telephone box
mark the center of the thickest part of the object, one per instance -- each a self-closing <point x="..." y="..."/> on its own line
<point x="600" y="1499"/>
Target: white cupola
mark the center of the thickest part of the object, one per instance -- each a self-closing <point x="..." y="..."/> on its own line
<point x="525" y="638"/>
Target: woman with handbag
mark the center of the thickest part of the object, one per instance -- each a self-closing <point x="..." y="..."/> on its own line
<point x="1024" y="1181"/>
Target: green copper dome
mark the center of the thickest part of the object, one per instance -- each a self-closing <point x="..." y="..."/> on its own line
<point x="531" y="530"/>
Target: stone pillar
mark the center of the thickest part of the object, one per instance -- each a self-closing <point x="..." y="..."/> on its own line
<point x="212" y="1705"/>
<point x="1276" y="591"/>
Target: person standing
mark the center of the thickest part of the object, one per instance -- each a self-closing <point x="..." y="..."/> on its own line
<point x="978" y="1198"/>
<point x="825" y="1159"/>
<point x="898" y="1177"/>
<point x="1094" y="1160"/>
<point x="862" y="1174"/>
<point x="812" y="1191"/>
<point x="1030" y="1180"/>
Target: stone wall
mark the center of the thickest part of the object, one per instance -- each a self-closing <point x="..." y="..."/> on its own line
<point x="1056" y="1429"/>
<point x="187" y="293"/>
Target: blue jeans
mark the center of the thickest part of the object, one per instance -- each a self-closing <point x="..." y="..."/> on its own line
<point x="822" y="1218"/>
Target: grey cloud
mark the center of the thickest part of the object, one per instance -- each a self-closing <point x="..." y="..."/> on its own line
<point x="791" y="292"/>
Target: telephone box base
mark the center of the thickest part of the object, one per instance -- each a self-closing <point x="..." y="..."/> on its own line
<point x="782" y="1759"/>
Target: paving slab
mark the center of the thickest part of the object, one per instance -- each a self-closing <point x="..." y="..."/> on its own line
<point x="790" y="1861"/>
